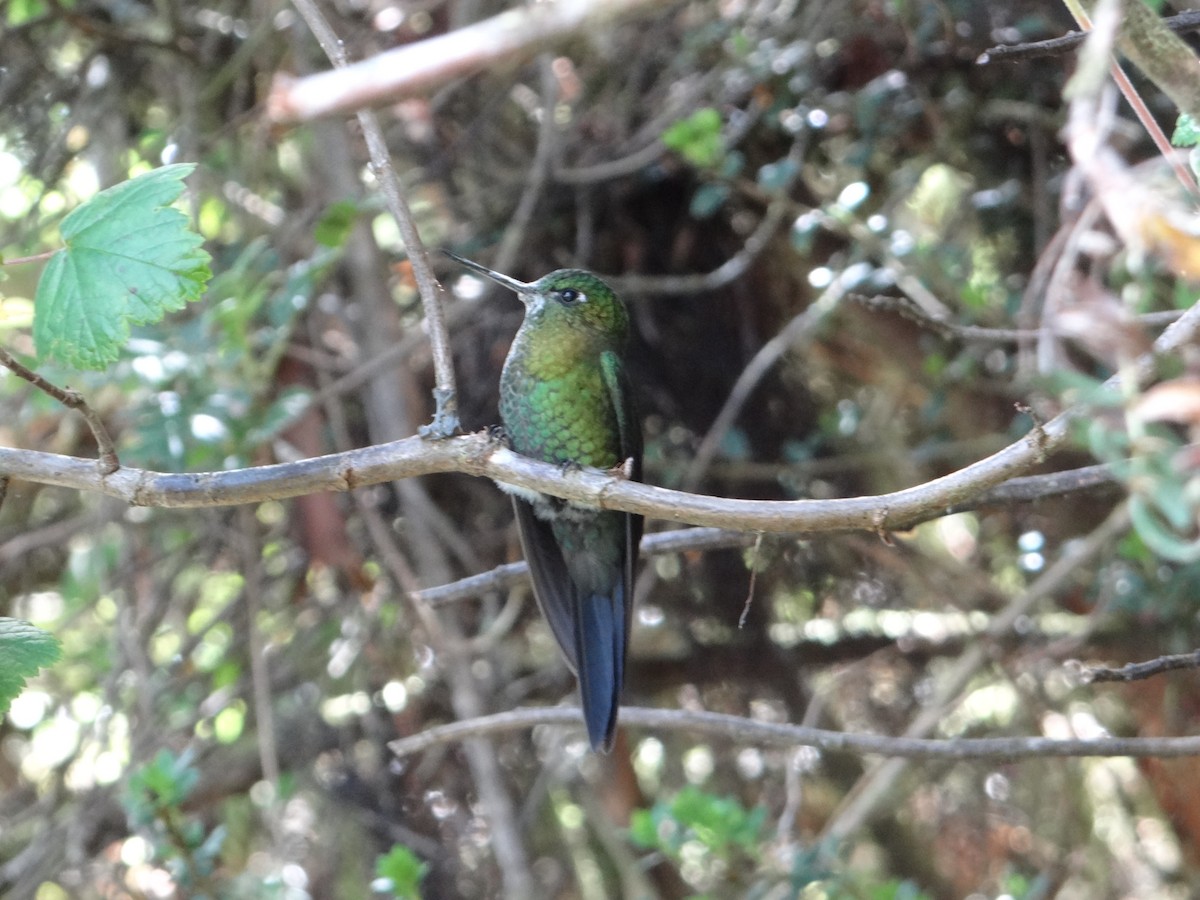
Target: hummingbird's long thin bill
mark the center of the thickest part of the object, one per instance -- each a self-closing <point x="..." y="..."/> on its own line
<point x="511" y="283"/>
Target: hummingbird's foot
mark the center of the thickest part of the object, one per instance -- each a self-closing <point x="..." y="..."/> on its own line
<point x="567" y="466"/>
<point x="624" y="470"/>
<point x="496" y="435"/>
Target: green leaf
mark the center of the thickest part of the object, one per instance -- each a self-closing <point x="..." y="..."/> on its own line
<point x="21" y="11"/>
<point x="336" y="223"/>
<point x="129" y="258"/>
<point x="402" y="871"/>
<point x="24" y="649"/>
<point x="161" y="784"/>
<point x="1159" y="537"/>
<point x="1187" y="132"/>
<point x="697" y="138"/>
<point x="642" y="830"/>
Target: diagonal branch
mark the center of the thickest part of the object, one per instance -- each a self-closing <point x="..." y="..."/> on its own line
<point x="506" y="39"/>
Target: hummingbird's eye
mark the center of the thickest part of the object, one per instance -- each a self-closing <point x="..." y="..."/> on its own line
<point x="570" y="296"/>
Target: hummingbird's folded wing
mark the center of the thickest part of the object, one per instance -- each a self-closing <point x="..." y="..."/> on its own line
<point x="552" y="586"/>
<point x="630" y="427"/>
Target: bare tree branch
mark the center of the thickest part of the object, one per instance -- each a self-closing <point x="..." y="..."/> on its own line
<point x="907" y="309"/>
<point x="744" y="731"/>
<point x="477" y="455"/>
<point x="509" y="38"/>
<point x="1016" y="490"/>
<point x="1147" y="669"/>
<point x="503" y="577"/>
<point x="1181" y="24"/>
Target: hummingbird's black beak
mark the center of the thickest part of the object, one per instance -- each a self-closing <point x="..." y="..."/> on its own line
<point x="520" y="287"/>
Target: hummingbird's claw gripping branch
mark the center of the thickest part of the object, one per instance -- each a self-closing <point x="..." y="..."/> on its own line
<point x="496" y="435"/>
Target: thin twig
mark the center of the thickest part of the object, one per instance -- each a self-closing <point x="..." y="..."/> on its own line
<point x="446" y="640"/>
<point x="754" y="557"/>
<point x="1115" y="28"/>
<point x="260" y="676"/>
<point x="445" y="416"/>
<point x="905" y="307"/>
<point x="1183" y="23"/>
<point x="734" y="267"/>
<point x="21" y="260"/>
<point x="506" y="576"/>
<point x="1141" y="670"/>
<point x="741" y="730"/>
<point x="1050" y="484"/>
<point x="682" y="99"/>
<point x="108" y="462"/>
<point x="726" y="273"/>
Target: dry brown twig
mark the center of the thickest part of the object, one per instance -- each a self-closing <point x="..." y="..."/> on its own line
<point x="1183" y="23"/>
<point x="108" y="462"/>
<point x="1142" y="670"/>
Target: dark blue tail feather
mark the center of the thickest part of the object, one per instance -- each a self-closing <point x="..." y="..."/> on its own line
<point x="601" y="646"/>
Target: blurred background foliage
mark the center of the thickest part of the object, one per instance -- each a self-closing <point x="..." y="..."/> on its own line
<point x="218" y="725"/>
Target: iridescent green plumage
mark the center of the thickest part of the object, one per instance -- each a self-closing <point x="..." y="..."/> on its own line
<point x="565" y="398"/>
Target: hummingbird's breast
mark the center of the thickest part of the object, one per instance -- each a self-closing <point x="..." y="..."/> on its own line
<point x="554" y="403"/>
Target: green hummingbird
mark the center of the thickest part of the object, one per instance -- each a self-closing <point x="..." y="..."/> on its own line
<point x="566" y="398"/>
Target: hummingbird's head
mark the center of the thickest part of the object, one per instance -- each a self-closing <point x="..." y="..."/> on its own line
<point x="567" y="297"/>
<point x="579" y="299"/>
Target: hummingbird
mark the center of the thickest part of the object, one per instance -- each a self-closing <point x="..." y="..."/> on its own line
<point x="566" y="398"/>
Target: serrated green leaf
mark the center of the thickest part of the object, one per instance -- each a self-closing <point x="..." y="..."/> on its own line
<point x="129" y="258"/>
<point x="24" y="649"/>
